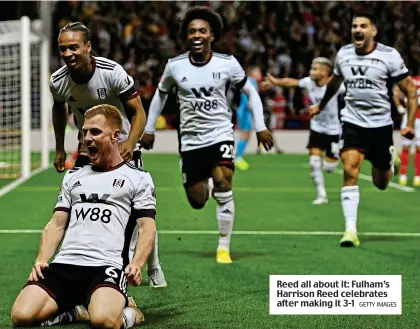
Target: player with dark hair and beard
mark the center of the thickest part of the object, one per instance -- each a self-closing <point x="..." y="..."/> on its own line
<point x="369" y="69"/>
<point x="202" y="78"/>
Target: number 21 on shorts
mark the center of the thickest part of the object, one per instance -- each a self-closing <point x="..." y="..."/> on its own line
<point x="227" y="151"/>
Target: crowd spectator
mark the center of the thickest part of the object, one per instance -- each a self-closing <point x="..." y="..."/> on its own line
<point x="280" y="37"/>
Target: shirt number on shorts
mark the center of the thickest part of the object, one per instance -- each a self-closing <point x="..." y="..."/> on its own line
<point x="227" y="150"/>
<point x="112" y="273"/>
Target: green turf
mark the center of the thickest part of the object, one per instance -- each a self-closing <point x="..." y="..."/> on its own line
<point x="274" y="195"/>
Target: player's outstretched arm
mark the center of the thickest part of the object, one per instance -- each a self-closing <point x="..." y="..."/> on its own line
<point x="256" y="106"/>
<point x="332" y="88"/>
<point x="271" y="81"/>
<point x="263" y="134"/>
<point x="409" y="89"/>
<point x="155" y="109"/>
<point x="51" y="237"/>
<point x="145" y="244"/>
<point x="156" y="106"/>
<point x="59" y="118"/>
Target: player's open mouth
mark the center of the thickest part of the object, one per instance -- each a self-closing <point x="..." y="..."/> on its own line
<point x="71" y="63"/>
<point x="196" y="45"/>
<point x="93" y="151"/>
<point x="358" y="37"/>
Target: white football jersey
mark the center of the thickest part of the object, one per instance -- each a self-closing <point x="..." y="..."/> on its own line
<point x="110" y="84"/>
<point x="205" y="115"/>
<point x="328" y="121"/>
<point x="104" y="207"/>
<point x="369" y="79"/>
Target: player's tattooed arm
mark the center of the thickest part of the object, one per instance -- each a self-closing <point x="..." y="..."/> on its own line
<point x="409" y="89"/>
<point x="332" y="88"/>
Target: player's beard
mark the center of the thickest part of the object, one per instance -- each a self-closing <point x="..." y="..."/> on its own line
<point x="360" y="41"/>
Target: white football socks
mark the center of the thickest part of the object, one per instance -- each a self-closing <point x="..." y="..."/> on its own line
<point x="315" y="162"/>
<point x="350" y="202"/>
<point x="225" y="213"/>
<point x="210" y="185"/>
<point x="129" y="318"/>
<point x="329" y="167"/>
<point x="65" y="317"/>
<point x="153" y="260"/>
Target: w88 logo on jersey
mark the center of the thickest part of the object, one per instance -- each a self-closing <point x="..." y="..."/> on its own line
<point x="94" y="214"/>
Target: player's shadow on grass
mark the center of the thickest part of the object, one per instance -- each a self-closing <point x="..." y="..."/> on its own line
<point x="156" y="313"/>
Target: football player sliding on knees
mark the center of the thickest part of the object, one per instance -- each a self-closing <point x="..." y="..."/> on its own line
<point x="94" y="262"/>
<point x="206" y="131"/>
<point x="85" y="81"/>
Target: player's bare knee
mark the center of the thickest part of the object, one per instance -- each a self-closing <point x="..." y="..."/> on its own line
<point x="223" y="185"/>
<point x="22" y="317"/>
<point x="197" y="203"/>
<point x="381" y="184"/>
<point x="351" y="170"/>
<point x="380" y="181"/>
<point x="197" y="196"/>
<point x="104" y="321"/>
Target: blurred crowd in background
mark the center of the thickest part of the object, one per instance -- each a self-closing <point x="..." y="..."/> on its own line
<point x="281" y="37"/>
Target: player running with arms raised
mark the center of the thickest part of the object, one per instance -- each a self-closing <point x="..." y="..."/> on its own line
<point x="325" y="128"/>
<point x="97" y="209"/>
<point x="368" y="70"/>
<point x="202" y="78"/>
<point x="86" y="81"/>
